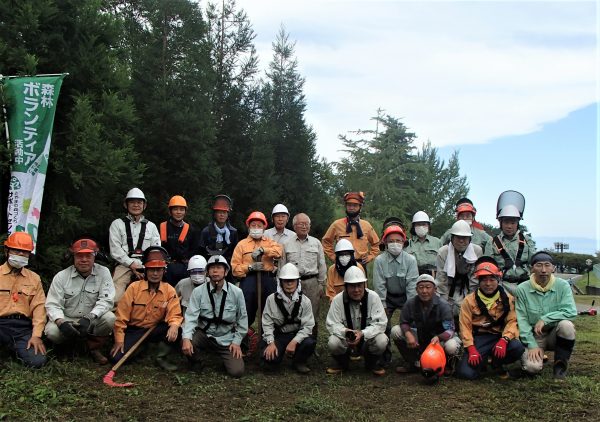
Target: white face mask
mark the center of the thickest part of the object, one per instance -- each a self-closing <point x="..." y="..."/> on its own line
<point x="421" y="231"/>
<point x="469" y="222"/>
<point x="395" y="248"/>
<point x="344" y="260"/>
<point x="198" y="278"/>
<point x="17" y="261"/>
<point x="256" y="233"/>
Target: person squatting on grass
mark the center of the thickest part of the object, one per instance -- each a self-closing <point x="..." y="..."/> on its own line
<point x="22" y="312"/>
<point x="79" y="302"/>
<point x="545" y="306"/>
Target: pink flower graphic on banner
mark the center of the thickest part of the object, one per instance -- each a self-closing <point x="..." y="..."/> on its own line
<point x="35" y="213"/>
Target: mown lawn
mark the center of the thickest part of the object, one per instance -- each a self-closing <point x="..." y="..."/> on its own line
<point x="74" y="391"/>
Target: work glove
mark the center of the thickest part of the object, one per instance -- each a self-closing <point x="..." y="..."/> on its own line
<point x="474" y="356"/>
<point x="256" y="266"/>
<point x="68" y="330"/>
<point x="500" y="348"/>
<point x="257" y="253"/>
<point x="84" y="324"/>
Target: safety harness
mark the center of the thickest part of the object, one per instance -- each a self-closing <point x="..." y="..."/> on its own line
<point x="138" y="248"/>
<point x="287" y="318"/>
<point x="363" y="310"/>
<point x="484" y="310"/>
<point x="182" y="235"/>
<point x="216" y="319"/>
<point x="461" y="281"/>
<point x="508" y="261"/>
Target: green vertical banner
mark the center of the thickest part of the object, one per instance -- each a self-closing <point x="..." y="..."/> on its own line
<point x="30" y="105"/>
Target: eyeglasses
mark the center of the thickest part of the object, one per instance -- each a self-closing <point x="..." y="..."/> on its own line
<point x="302" y="224"/>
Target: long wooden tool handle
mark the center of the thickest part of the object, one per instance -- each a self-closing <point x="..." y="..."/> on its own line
<point x="132" y="349"/>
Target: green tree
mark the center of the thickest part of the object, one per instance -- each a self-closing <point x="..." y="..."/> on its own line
<point x="383" y="165"/>
<point x="171" y="82"/>
<point x="234" y="98"/>
<point x="438" y="186"/>
<point x="284" y="130"/>
<point x="92" y="155"/>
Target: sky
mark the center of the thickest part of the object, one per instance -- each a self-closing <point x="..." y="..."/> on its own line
<point x="513" y="86"/>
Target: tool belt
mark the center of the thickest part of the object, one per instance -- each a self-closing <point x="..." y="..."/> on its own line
<point x="307" y="276"/>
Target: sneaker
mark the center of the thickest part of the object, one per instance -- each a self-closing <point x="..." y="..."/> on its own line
<point x="560" y="370"/>
<point x="301" y="368"/>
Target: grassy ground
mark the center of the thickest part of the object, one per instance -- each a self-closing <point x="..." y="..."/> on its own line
<point x="583" y="281"/>
<point x="74" y="391"/>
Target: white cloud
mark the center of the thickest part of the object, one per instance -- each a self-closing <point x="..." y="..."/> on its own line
<point x="456" y="72"/>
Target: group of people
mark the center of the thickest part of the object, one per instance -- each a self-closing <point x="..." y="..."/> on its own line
<point x="486" y="301"/>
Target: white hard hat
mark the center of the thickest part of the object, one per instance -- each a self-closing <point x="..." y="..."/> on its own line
<point x="289" y="272"/>
<point x="135" y="193"/>
<point x="217" y="259"/>
<point x="343" y="245"/>
<point x="421" y="217"/>
<point x="509" y="211"/>
<point x="280" y="209"/>
<point x="354" y="275"/>
<point x="461" y="228"/>
<point x="197" y="262"/>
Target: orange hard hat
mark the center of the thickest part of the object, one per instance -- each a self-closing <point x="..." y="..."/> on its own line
<point x="84" y="246"/>
<point x="354" y="197"/>
<point x="465" y="207"/>
<point x="393" y="229"/>
<point x="222" y="203"/>
<point x="433" y="360"/>
<point x="155" y="257"/>
<point x="257" y="215"/>
<point x="486" y="265"/>
<point x="177" y="201"/>
<point x="20" y="240"/>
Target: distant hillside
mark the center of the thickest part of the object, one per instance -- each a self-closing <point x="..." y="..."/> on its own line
<point x="576" y="244"/>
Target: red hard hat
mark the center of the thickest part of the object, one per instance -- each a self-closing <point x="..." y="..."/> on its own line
<point x="256" y="215"/>
<point x="355" y="197"/>
<point x="393" y="229"/>
<point x="84" y="246"/>
<point x="222" y="203"/>
<point x="433" y="360"/>
<point x="20" y="240"/>
<point x="465" y="207"/>
<point x="155" y="257"/>
<point x="486" y="266"/>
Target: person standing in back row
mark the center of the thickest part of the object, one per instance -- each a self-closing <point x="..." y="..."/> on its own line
<point x="129" y="237"/>
<point x="359" y="232"/>
<point x="179" y="238"/>
<point x="279" y="232"/>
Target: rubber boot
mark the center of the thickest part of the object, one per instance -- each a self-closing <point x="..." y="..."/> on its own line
<point x="562" y="354"/>
<point x="94" y="345"/>
<point x="373" y="364"/>
<point x="164" y="350"/>
<point x="340" y="364"/>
